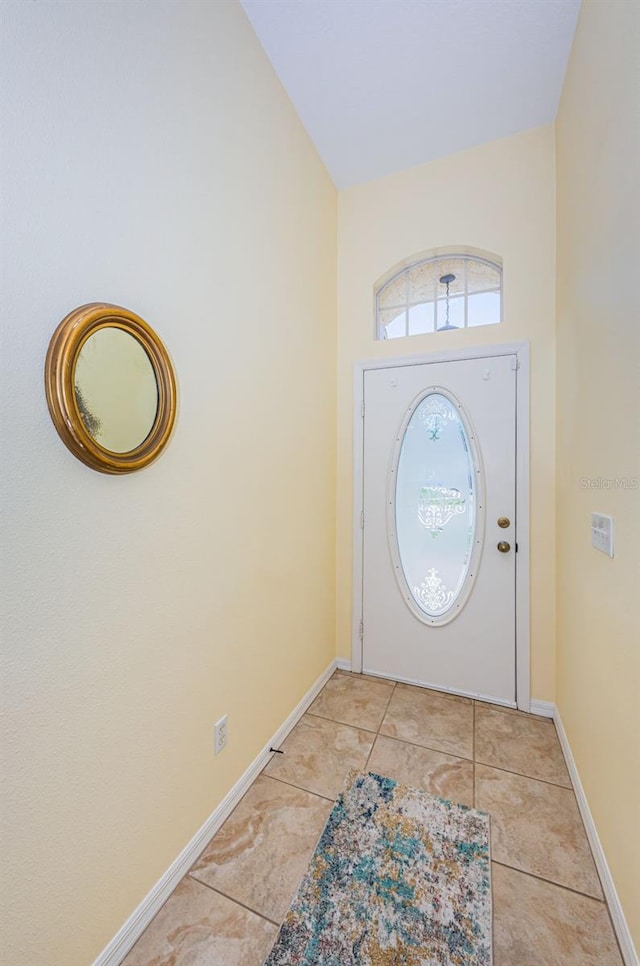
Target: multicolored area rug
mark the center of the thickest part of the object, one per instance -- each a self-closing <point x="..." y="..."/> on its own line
<point x="398" y="878"/>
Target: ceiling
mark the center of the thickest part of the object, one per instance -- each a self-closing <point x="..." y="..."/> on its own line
<point x="382" y="85"/>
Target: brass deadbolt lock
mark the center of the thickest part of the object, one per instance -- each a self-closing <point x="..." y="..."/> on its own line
<point x="504" y="522"/>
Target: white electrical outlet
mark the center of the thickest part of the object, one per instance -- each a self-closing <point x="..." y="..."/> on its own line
<point x="220" y="734"/>
<point x="602" y="533"/>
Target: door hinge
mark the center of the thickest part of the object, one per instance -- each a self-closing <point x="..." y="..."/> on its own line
<point x="361" y="630"/>
<point x="362" y="519"/>
<point x="515" y="363"/>
<point x="362" y="409"/>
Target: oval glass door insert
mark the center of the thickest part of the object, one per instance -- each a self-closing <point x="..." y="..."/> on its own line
<point x="436" y="507"/>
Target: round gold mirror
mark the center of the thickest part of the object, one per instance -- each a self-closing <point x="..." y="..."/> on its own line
<point x="110" y="387"/>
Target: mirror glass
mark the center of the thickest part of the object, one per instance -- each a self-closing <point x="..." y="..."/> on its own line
<point x="116" y="389"/>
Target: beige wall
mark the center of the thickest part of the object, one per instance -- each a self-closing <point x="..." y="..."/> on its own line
<point x="499" y="198"/>
<point x="598" y="133"/>
<point x="152" y="159"/>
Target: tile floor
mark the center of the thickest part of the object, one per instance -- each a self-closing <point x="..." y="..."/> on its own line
<point x="548" y="906"/>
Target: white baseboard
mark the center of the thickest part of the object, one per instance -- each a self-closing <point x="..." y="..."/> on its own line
<point x="128" y="935"/>
<point x="546" y="709"/>
<point x="615" y="908"/>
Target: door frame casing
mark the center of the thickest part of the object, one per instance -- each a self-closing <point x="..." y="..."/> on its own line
<point x="522" y="588"/>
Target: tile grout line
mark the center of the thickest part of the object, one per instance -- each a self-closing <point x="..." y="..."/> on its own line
<point x="423" y="689"/>
<point x="414" y="744"/>
<point x="237" y="902"/>
<point x="300" y="788"/>
<point x="343" y="724"/>
<point x="324" y="798"/>
<point x="347" y="724"/>
<point x="514" y="712"/>
<point x="591" y="853"/>
<point x="473" y="755"/>
<point x="386" y="709"/>
<point x="373" y="736"/>
<point x="384" y="715"/>
<point x="373" y="744"/>
<point x="559" y="885"/>
<point x="363" y="676"/>
<point x="230" y="898"/>
<point x="437" y="751"/>
<point x="393" y="686"/>
<point x="531" y="778"/>
<point x="440" y="751"/>
<point x="615" y="933"/>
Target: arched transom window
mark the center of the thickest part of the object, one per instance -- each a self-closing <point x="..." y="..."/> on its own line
<point x="438" y="293"/>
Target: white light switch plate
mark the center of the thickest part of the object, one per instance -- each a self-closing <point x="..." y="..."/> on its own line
<point x="602" y="533"/>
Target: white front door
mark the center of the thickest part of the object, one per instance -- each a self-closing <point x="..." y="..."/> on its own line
<point x="439" y="525"/>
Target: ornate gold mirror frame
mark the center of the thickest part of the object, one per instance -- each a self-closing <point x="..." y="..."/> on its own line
<point x="62" y="357"/>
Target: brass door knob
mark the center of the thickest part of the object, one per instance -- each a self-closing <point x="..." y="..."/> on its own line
<point x="504" y="547"/>
<point x="504" y="522"/>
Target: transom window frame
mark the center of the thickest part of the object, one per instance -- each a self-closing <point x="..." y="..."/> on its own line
<point x="443" y="256"/>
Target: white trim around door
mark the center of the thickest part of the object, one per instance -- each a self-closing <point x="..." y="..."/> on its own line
<point x="521" y="351"/>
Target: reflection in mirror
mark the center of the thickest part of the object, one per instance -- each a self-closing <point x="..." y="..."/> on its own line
<point x="115" y="389"/>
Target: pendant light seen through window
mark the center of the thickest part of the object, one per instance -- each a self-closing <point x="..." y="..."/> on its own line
<point x="447" y="280"/>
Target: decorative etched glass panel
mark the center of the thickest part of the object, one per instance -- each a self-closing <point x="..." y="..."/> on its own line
<point x="394" y="292"/>
<point x="482" y="277"/>
<point x="422" y="282"/>
<point x="435" y="504"/>
<point x="471" y="295"/>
